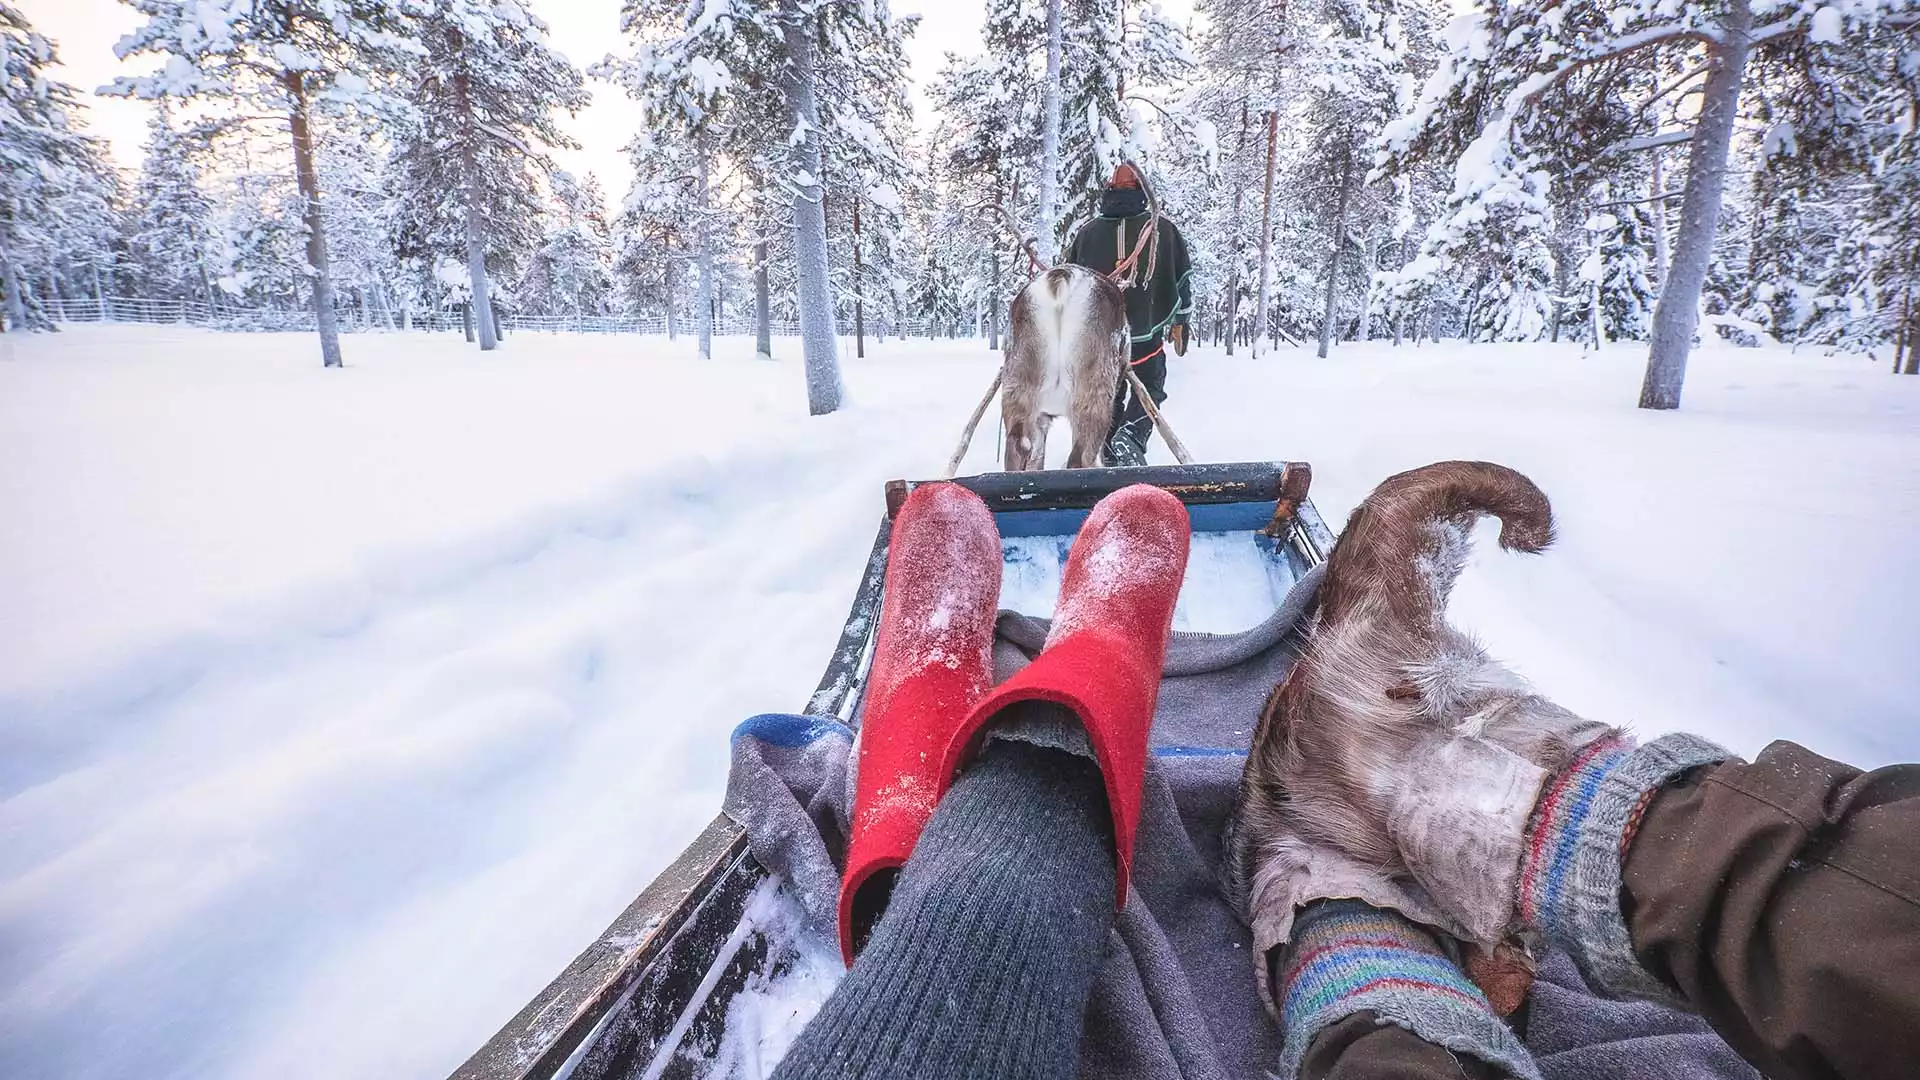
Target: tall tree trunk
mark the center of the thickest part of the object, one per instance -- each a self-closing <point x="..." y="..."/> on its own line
<point x="477" y="254"/>
<point x="1233" y="273"/>
<point x="1599" y="316"/>
<point x="1912" y="320"/>
<point x="859" y="286"/>
<point x="1678" y="313"/>
<point x="16" y="302"/>
<point x="1333" y="257"/>
<point x="1266" y="232"/>
<point x="703" y="236"/>
<point x="762" y="303"/>
<point x="206" y="280"/>
<point x="1369" y="266"/>
<point x="673" y="308"/>
<point x="466" y="320"/>
<point x="817" y="332"/>
<point x="385" y="304"/>
<point x="10" y="281"/>
<point x="1400" y="303"/>
<point x="308" y="179"/>
<point x="1659" y="224"/>
<point x="1050" y="143"/>
<point x="993" y="311"/>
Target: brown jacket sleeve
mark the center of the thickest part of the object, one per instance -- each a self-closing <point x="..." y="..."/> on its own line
<point x="1781" y="899"/>
<point x="1364" y="1047"/>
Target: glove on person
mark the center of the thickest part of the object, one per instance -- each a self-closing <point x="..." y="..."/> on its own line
<point x="1350" y="958"/>
<point x="1177" y="335"/>
<point x="1399" y="742"/>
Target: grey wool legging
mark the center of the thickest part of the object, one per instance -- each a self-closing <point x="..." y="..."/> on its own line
<point x="982" y="964"/>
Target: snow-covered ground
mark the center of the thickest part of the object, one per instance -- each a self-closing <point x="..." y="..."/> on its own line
<point x="339" y="709"/>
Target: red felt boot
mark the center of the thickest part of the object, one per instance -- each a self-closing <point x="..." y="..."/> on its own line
<point x="931" y="663"/>
<point x="1108" y="643"/>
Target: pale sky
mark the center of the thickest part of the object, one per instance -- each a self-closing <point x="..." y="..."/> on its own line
<point x="584" y="30"/>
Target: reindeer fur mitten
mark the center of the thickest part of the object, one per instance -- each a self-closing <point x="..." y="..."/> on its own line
<point x="1398" y="743"/>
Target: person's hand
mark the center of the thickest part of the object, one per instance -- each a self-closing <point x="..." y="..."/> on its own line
<point x="1396" y="741"/>
<point x="1277" y="864"/>
<point x="1177" y="335"/>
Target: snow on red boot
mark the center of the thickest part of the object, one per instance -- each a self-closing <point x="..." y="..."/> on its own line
<point x="1108" y="643"/>
<point x="932" y="662"/>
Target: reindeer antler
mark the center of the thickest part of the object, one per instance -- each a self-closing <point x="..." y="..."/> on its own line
<point x="1013" y="223"/>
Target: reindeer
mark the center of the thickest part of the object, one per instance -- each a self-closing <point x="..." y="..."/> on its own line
<point x="1065" y="354"/>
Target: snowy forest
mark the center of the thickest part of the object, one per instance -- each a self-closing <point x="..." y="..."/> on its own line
<point x="1519" y="170"/>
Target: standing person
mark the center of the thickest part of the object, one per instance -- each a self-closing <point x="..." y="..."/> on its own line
<point x="1157" y="277"/>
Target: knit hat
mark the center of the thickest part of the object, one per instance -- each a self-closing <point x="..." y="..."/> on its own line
<point x="1126" y="176"/>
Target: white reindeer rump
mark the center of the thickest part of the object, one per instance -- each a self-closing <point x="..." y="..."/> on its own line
<point x="1066" y="352"/>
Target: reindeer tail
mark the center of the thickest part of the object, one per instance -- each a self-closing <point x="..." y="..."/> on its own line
<point x="1408" y="540"/>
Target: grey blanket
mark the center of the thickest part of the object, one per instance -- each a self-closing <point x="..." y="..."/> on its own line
<point x="1176" y="997"/>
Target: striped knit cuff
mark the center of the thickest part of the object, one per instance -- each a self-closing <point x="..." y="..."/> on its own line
<point x="1348" y="957"/>
<point x="1570" y="872"/>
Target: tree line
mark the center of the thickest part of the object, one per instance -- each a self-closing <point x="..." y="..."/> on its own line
<point x="1343" y="169"/>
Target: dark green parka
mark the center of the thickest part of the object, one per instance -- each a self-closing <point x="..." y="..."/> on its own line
<point x="1153" y="304"/>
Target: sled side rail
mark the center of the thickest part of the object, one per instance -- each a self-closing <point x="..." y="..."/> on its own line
<point x="595" y="1019"/>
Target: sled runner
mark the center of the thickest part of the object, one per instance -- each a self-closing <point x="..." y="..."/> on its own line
<point x="649" y="998"/>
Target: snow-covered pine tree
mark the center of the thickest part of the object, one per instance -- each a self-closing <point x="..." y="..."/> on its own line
<point x="986" y="149"/>
<point x="486" y="94"/>
<point x="282" y="58"/>
<point x="171" y="240"/>
<point x="801" y="28"/>
<point x="1117" y="76"/>
<point x="357" y="175"/>
<point x="1046" y="222"/>
<point x="571" y="273"/>
<point x="54" y="182"/>
<point x="1125" y="61"/>
<point x="86" y="229"/>
<point x="1890" y="102"/>
<point x="681" y="73"/>
<point x="964" y="262"/>
<point x="259" y="236"/>
<point x="973" y="161"/>
<point x="1357" y="80"/>
<point x="819" y="36"/>
<point x="1627" y="295"/>
<point x="652" y="234"/>
<point x="1614" y="274"/>
<point x="863" y="91"/>
<point x="764" y="211"/>
<point x="1247" y="59"/>
<point x="1836" y="126"/>
<point x="1511" y="60"/>
<point x="746" y="54"/>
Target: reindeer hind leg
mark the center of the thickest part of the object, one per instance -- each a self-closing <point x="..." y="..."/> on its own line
<point x="1093" y="411"/>
<point x="1042" y="424"/>
<point x="1013" y="457"/>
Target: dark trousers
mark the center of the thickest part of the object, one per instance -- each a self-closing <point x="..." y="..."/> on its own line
<point x="1132" y="427"/>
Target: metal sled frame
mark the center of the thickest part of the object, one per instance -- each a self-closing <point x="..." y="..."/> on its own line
<point x="649" y="997"/>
